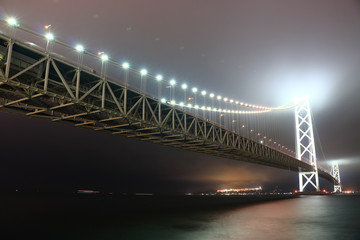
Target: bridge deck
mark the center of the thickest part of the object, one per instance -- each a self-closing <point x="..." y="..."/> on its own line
<point x="42" y="85"/>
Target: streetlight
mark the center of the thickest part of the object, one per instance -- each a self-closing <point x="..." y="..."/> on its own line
<point x="203" y="93"/>
<point x="220" y="116"/>
<point x="104" y="57"/>
<point x="126" y="66"/>
<point x="212" y="95"/>
<point x="13" y="24"/>
<point x="172" y="84"/>
<point x="159" y="78"/>
<point x="194" y="90"/>
<point x="226" y="106"/>
<point x="11" y="21"/>
<point x="219" y="105"/>
<point x="184" y="86"/>
<point x="232" y="108"/>
<point x="49" y="36"/>
<point x="143" y="73"/>
<point x="79" y="48"/>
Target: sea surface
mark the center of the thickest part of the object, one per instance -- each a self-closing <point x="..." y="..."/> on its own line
<point x="54" y="217"/>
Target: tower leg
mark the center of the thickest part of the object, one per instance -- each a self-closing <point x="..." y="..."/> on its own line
<point x="305" y="145"/>
<point x="301" y="183"/>
<point x="336" y="174"/>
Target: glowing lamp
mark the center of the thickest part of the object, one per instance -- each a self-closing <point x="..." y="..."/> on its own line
<point x="125" y="65"/>
<point x="79" y="48"/>
<point x="12" y="22"/>
<point x="49" y="36"/>
<point x="104" y="57"/>
<point x="159" y="77"/>
<point x="143" y="72"/>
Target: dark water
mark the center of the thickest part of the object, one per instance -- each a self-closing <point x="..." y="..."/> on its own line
<point x="311" y="217"/>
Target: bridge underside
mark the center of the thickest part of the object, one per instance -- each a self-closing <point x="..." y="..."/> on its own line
<point x="40" y="85"/>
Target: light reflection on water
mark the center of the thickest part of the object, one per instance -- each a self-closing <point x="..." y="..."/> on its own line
<point x="312" y="217"/>
<point x="56" y="217"/>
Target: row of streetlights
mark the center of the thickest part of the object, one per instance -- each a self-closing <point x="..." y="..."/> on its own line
<point x="172" y="83"/>
<point x="143" y="73"/>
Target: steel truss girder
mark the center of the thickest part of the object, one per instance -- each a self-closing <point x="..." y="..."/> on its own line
<point x="90" y="100"/>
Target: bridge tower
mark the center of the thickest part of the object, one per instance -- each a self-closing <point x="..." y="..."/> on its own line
<point x="336" y="174"/>
<point x="305" y="145"/>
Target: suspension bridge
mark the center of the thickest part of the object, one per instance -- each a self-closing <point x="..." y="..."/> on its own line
<point x="39" y="82"/>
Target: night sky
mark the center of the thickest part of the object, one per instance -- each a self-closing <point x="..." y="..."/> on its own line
<point x="261" y="52"/>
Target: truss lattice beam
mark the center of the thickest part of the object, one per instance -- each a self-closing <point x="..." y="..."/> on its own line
<point x="89" y="100"/>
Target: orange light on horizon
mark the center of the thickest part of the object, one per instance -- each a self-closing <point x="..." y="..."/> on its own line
<point x="239" y="189"/>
